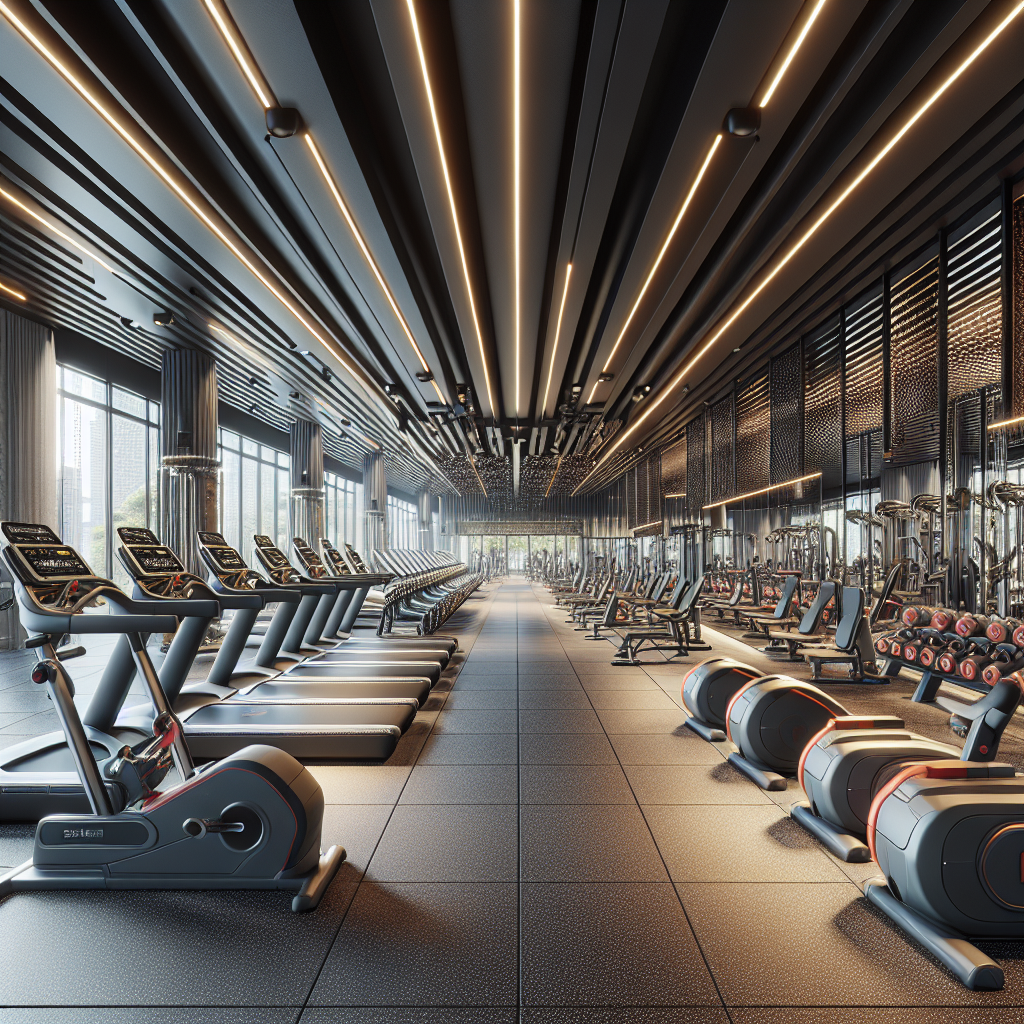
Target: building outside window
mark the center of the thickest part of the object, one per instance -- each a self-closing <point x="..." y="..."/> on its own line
<point x="343" y="505"/>
<point x="403" y="527"/>
<point x="254" y="492"/>
<point x="108" y="470"/>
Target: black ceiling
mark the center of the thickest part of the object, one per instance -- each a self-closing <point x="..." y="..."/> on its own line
<point x="620" y="103"/>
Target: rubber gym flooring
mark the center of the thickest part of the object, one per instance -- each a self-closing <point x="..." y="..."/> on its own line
<point x="549" y="844"/>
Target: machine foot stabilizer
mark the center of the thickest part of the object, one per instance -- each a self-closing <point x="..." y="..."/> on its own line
<point x="761" y="776"/>
<point x="705" y="731"/>
<point x="972" y="967"/>
<point x="846" y="847"/>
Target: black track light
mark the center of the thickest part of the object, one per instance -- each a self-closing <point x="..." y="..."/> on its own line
<point x="283" y="122"/>
<point x="164" y="319"/>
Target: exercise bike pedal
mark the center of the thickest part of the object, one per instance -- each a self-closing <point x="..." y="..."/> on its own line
<point x="846" y="847"/>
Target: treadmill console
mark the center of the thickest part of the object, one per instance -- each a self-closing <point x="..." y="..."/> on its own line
<point x="310" y="560"/>
<point x="29" y="533"/>
<point x="136" y="535"/>
<point x="53" y="563"/>
<point x="280" y="570"/>
<point x="38" y="557"/>
<point x="357" y="563"/>
<point x="337" y="561"/>
<point x="225" y="562"/>
<point x="144" y="556"/>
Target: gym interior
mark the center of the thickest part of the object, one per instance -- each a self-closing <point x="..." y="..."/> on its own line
<point x="512" y="511"/>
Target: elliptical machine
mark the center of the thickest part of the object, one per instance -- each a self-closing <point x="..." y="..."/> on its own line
<point x="846" y="764"/>
<point x="249" y="821"/>
<point x="707" y="690"/>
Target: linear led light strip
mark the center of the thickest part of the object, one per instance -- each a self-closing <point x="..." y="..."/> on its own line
<point x="811" y="231"/>
<point x="451" y="197"/>
<point x="797" y="43"/>
<point x="249" y="68"/>
<point x="558" y="332"/>
<point x="11" y="291"/>
<point x="657" y="261"/>
<point x="1003" y="424"/>
<point x="175" y="187"/>
<point x="516" y="175"/>
<point x="763" y="490"/>
<point x="56" y="230"/>
<point x="363" y="248"/>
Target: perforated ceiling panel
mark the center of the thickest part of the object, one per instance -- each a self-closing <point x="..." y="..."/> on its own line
<point x="752" y="423"/>
<point x="913" y="357"/>
<point x="822" y="405"/>
<point x="974" y="328"/>
<point x="722" y="449"/>
<point x="786" y="433"/>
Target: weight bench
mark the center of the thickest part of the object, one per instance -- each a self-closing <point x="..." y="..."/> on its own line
<point x="853" y="644"/>
<point x="809" y="632"/>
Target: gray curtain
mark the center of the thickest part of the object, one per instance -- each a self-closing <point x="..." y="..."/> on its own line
<point x="28" y="438"/>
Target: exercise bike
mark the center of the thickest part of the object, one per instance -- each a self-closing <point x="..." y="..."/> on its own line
<point x="249" y="821"/>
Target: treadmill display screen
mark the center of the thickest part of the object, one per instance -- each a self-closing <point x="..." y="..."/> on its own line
<point x="228" y="559"/>
<point x="136" y="535"/>
<point x="275" y="558"/>
<point x="340" y="567"/>
<point x="29" y="533"/>
<point x="157" y="559"/>
<point x="216" y="539"/>
<point x="360" y="565"/>
<point x="262" y="540"/>
<point x="54" y="562"/>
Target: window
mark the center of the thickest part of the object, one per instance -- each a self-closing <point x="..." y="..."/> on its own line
<point x="254" y="492"/>
<point x="109" y="466"/>
<point x="403" y="524"/>
<point x="343" y="508"/>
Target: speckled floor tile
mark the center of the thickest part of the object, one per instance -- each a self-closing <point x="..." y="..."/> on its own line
<point x="566" y="748"/>
<point x="409" y="1015"/>
<point x="573" y="784"/>
<point x="151" y="1015"/>
<point x="664" y="750"/>
<point x="552" y="721"/>
<point x="623" y="1015"/>
<point x="424" y="945"/>
<point x="450" y="723"/>
<point x="693" y="784"/>
<point x="574" y="699"/>
<point x="657" y="721"/>
<point x="360" y="784"/>
<point x="609" y="944"/>
<point x="467" y="748"/>
<point x="461" y="784"/>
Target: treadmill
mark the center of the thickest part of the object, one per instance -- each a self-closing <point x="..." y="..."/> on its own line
<point x="229" y="575"/>
<point x="314" y="724"/>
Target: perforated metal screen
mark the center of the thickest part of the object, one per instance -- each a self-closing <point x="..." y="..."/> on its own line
<point x="913" y="357"/>
<point x="863" y="383"/>
<point x="786" y="442"/>
<point x="722" y="449"/>
<point x="695" y="471"/>
<point x="753" y="417"/>
<point x="822" y="404"/>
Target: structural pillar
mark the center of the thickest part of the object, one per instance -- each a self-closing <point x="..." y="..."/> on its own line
<point x="188" y="448"/>
<point x="375" y="502"/>
<point x="306" y="511"/>
<point x="425" y="515"/>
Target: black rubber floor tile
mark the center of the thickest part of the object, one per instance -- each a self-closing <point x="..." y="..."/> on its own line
<point x="456" y="722"/>
<point x="877" y="1015"/>
<point x="693" y="784"/>
<point x="484" y="682"/>
<point x="791" y="944"/>
<point x="566" y="748"/>
<point x="536" y="721"/>
<point x="573" y="784"/>
<point x="655" y="749"/>
<point x="549" y="681"/>
<point x="623" y="681"/>
<point x="587" y="843"/>
<point x="410" y="1015"/>
<point x="631" y="700"/>
<point x="651" y="722"/>
<point x="164" y="948"/>
<point x="462" y="784"/>
<point x="551" y="700"/>
<point x="609" y="944"/>
<point x="360" y="784"/>
<point x="467" y="748"/>
<point x="482" y="700"/>
<point x="151" y="1015"/>
<point x="464" y="843"/>
<point x="424" y="945"/>
<point x="356" y="827"/>
<point x="623" y="1015"/>
<point x="738" y="844"/>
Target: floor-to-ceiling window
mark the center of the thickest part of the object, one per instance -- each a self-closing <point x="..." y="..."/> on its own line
<point x="343" y="503"/>
<point x="108" y="471"/>
<point x="253" y="492"/>
<point x="403" y="525"/>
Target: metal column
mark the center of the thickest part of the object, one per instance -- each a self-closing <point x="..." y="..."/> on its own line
<point x="375" y="502"/>
<point x="306" y="511"/>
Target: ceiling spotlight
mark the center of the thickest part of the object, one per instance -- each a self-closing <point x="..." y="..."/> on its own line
<point x="294" y="394"/>
<point x="254" y="408"/>
<point x="577" y="388"/>
<point x="742" y="121"/>
<point x="164" y="319"/>
<point x="736" y="350"/>
<point x="603" y="378"/>
<point x="253" y="381"/>
<point x="283" y="122"/>
<point x="342" y="436"/>
<point x="389" y="389"/>
<point x="424" y="376"/>
<point x="127" y="321"/>
<point x="326" y="374"/>
<point x="345" y="421"/>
